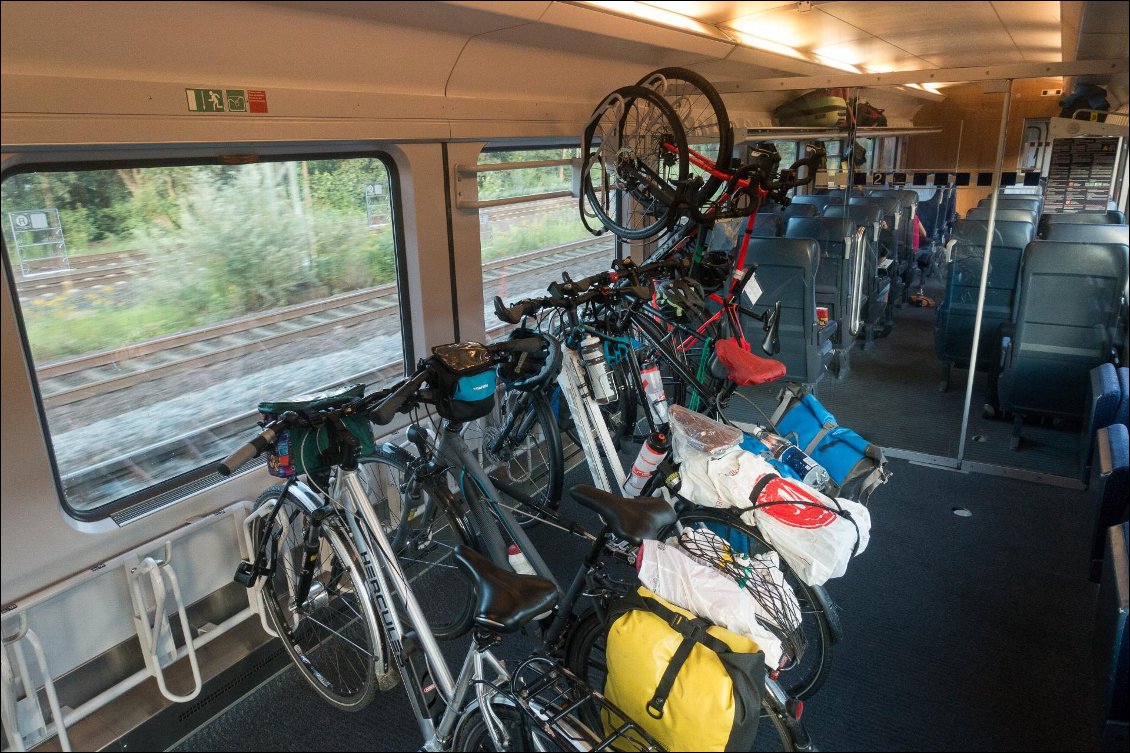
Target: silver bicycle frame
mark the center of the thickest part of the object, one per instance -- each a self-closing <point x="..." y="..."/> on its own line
<point x="387" y="577"/>
<point x="453" y="450"/>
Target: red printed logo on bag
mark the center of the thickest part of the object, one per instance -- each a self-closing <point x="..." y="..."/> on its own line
<point x="809" y="511"/>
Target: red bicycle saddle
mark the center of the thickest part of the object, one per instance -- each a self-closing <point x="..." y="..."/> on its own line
<point x="743" y="367"/>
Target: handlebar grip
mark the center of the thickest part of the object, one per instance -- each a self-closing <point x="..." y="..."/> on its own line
<point x="228" y="465"/>
<point x="643" y="292"/>
<point x="513" y="314"/>
<point x="552" y="361"/>
<point x="391" y="404"/>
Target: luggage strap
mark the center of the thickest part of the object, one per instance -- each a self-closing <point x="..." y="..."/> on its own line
<point x="693" y="630"/>
<point x="820" y="436"/>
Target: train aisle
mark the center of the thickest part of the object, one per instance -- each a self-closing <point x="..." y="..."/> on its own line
<point x="961" y="633"/>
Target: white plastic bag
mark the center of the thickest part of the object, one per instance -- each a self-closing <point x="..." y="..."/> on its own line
<point x="672" y="574"/>
<point x="801" y="523"/>
<point x="805" y="526"/>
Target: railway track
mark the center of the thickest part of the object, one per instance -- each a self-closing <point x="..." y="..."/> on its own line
<point x="191" y="445"/>
<point x="112" y="268"/>
<point x="119" y="476"/>
<point x="69" y="381"/>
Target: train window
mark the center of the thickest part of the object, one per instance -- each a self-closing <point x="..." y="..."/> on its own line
<point x="528" y="241"/>
<point x="160" y="304"/>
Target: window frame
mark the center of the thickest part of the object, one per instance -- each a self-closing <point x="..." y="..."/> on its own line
<point x="65" y="159"/>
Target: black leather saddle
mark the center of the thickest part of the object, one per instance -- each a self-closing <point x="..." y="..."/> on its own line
<point x="631" y="518"/>
<point x="506" y="600"/>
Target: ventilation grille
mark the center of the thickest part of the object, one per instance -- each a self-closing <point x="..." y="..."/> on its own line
<point x="203" y="702"/>
<point x="177" y="493"/>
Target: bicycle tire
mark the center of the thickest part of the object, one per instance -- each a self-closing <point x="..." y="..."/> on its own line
<point x="703" y="115"/>
<point x="584" y="656"/>
<point x="529" y="458"/>
<point x="336" y="638"/>
<point x="807" y="675"/>
<point x="625" y="147"/>
<point x="423" y="537"/>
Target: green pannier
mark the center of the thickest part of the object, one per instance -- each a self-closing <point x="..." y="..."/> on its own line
<point x="309" y="449"/>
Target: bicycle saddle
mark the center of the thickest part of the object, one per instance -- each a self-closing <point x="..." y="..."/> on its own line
<point x="631" y="518"/>
<point x="506" y="600"/>
<point x="745" y="368"/>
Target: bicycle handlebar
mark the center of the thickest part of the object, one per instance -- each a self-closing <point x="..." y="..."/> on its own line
<point x="391" y="403"/>
<point x="552" y="361"/>
<point x="265" y="439"/>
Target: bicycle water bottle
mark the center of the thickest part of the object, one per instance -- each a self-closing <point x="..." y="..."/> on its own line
<point x="653" y="388"/>
<point x="603" y="386"/>
<point x="518" y="561"/>
<point x="810" y="472"/>
<point x="522" y="566"/>
<point x="652" y="453"/>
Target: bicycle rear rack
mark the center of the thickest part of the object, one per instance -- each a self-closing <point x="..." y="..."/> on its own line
<point x="561" y="702"/>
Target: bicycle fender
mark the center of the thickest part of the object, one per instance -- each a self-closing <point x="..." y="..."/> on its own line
<point x="830" y="610"/>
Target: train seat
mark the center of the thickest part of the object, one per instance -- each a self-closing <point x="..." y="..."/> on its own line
<point x="1014" y="202"/>
<point x="792" y="210"/>
<point x="816" y="200"/>
<point x="893" y="243"/>
<point x="786" y="272"/>
<point x="1066" y="321"/>
<point x="834" y="276"/>
<point x="1076" y="233"/>
<point x="957" y="312"/>
<point x="949" y="210"/>
<point x="1098" y="217"/>
<point x="769" y="225"/>
<point x="1103" y="399"/>
<point x="1005" y="215"/>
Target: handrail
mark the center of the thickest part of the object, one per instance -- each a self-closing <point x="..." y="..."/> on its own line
<point x="855" y="324"/>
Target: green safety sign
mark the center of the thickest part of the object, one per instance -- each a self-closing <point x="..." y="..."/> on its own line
<point x="236" y="100"/>
<point x="226" y="100"/>
<point x="205" y="100"/>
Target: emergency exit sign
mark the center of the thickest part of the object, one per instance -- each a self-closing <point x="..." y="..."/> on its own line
<point x="226" y="100"/>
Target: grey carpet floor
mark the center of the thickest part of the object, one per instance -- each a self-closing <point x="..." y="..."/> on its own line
<point x="961" y="633"/>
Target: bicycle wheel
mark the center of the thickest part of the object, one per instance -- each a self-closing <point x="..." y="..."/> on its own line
<point x="804" y="674"/>
<point x="521" y="450"/>
<point x="703" y="116"/>
<point x="334" y="637"/>
<point x="635" y="162"/>
<point x="585" y="656"/>
<point x="418" y="520"/>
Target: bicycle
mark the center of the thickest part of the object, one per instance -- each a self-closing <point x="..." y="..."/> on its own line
<point x="601" y="452"/>
<point x="330" y="571"/>
<point x="519" y="440"/>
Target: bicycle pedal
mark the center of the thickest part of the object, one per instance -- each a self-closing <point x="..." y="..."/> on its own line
<point x="246" y="574"/>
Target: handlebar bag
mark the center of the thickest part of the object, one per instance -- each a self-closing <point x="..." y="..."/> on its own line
<point x="315" y="449"/>
<point x="463" y="378"/>
<point x="690" y="684"/>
